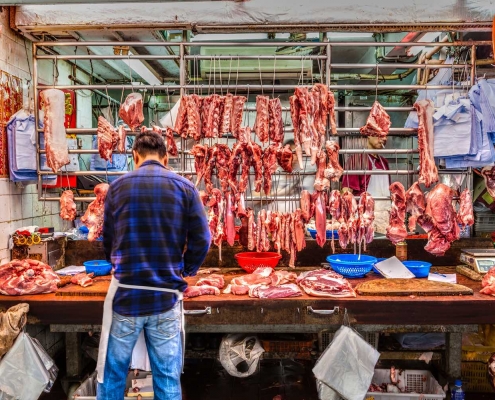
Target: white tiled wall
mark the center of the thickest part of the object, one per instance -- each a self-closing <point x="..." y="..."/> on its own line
<point x="19" y="206"/>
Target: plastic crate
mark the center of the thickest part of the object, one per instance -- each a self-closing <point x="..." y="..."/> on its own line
<point x="288" y="346"/>
<point x="422" y="382"/>
<point x="325" y="338"/>
<point x="474" y="370"/>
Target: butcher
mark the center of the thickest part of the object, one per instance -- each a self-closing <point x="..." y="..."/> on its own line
<point x="150" y="215"/>
<point x="376" y="185"/>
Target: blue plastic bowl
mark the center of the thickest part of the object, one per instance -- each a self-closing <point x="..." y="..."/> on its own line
<point x="312" y="232"/>
<point x="98" y="267"/>
<point x="374" y="269"/>
<point x="420" y="269"/>
<point x="351" y="265"/>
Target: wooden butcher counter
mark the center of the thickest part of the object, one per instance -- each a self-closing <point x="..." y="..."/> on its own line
<point x="75" y="309"/>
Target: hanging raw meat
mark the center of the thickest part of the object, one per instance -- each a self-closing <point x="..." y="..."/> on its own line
<point x="237" y="111"/>
<point x="305" y="206"/>
<point x="254" y="155"/>
<point x="466" y="214"/>
<point x="262" y="118"/>
<point x="366" y="211"/>
<point x="334" y="204"/>
<point x="180" y="125"/>
<point x="228" y="106"/>
<point x="170" y="142"/>
<point x="320" y="220"/>
<point x="284" y="158"/>
<point x="396" y="231"/>
<point x="108" y="138"/>
<point x="334" y="170"/>
<point x="444" y="227"/>
<point x="193" y="103"/>
<point x="269" y="162"/>
<point x="428" y="172"/>
<point x="121" y="140"/>
<point x="67" y="206"/>
<point x="489" y="176"/>
<point x="276" y="125"/>
<point x="230" y="220"/>
<point x="57" y="153"/>
<point x="131" y="111"/>
<point x="199" y="152"/>
<point x="212" y="129"/>
<point x="378" y="122"/>
<point x="93" y="218"/>
<point x="294" y="112"/>
<point x="415" y="205"/>
<point x="321" y="183"/>
<point x="321" y="98"/>
<point x="331" y="111"/>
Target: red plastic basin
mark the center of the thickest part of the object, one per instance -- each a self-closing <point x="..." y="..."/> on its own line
<point x="251" y="260"/>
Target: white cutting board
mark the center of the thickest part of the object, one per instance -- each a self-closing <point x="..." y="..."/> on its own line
<point x="392" y="268"/>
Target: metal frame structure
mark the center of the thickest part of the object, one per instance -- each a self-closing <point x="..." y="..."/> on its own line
<point x="185" y="87"/>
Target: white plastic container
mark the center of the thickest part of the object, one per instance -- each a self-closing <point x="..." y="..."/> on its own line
<point x="421" y="382"/>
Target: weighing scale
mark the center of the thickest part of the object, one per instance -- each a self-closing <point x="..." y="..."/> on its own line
<point x="479" y="260"/>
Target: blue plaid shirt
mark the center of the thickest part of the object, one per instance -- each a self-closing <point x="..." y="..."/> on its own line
<point x="150" y="216"/>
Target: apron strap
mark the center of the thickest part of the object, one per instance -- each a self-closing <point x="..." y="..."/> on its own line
<point x="179" y="294"/>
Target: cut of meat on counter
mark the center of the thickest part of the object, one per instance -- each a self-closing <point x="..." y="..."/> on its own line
<point x="325" y="283"/>
<point x="489" y="176"/>
<point x="396" y="230"/>
<point x="488" y="283"/>
<point x="93" y="218"/>
<point x="378" y="122"/>
<point x="195" y="291"/>
<point x="26" y="277"/>
<point x="131" y="110"/>
<point x="68" y="209"/>
<point x="276" y="292"/>
<point x="428" y="173"/>
<point x="57" y="152"/>
<point x="108" y="138"/>
<point x="212" y="280"/>
<point x="83" y="279"/>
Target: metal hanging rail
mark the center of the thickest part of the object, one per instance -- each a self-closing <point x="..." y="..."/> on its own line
<point x="268" y="85"/>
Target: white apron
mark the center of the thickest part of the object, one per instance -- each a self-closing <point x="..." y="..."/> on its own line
<point x="378" y="186"/>
<point x="108" y="316"/>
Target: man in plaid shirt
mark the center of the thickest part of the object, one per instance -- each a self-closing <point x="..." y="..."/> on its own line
<point x="155" y="233"/>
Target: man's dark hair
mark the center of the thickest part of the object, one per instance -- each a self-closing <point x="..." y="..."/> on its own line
<point x="149" y="143"/>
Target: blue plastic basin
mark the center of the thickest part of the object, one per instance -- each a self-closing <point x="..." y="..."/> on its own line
<point x="312" y="232"/>
<point x="420" y="269"/>
<point x="352" y="265"/>
<point x="98" y="267"/>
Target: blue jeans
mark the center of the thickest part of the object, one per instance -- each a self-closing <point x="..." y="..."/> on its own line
<point x="164" y="344"/>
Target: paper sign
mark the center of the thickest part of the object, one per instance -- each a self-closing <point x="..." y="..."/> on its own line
<point x="451" y="278"/>
<point x="392" y="268"/>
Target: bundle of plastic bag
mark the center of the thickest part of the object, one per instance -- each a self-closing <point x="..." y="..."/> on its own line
<point x="346" y="366"/>
<point x="26" y="370"/>
<point x="239" y="354"/>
